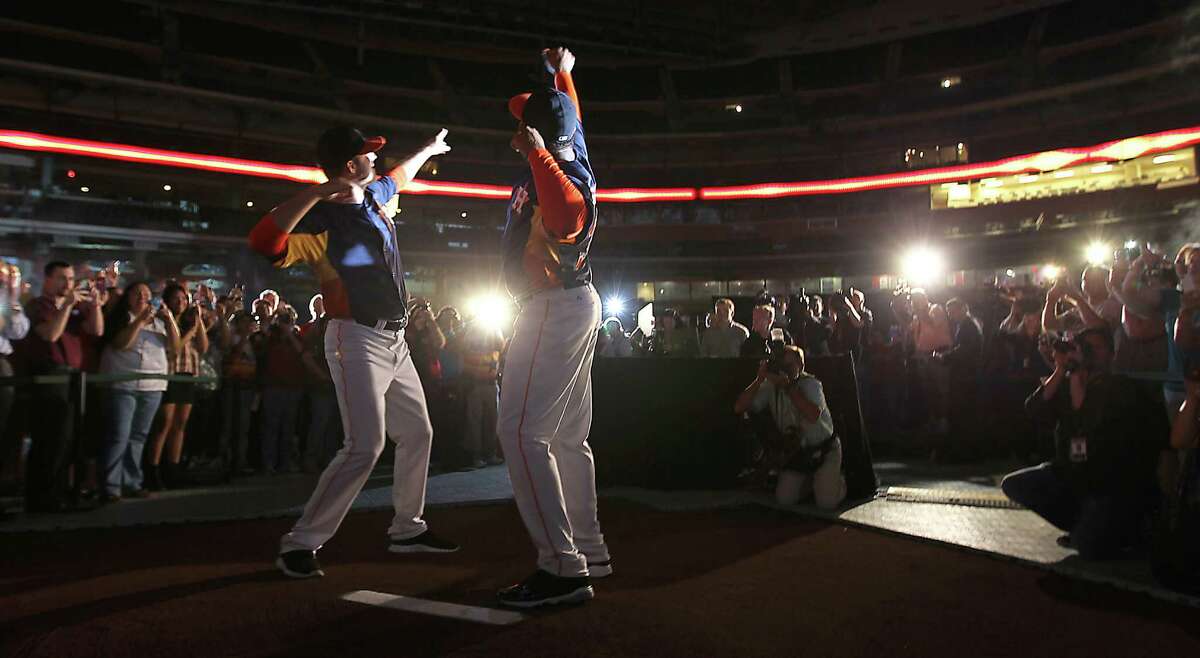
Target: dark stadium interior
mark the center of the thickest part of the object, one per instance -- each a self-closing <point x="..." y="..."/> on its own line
<point x="1082" y="115"/>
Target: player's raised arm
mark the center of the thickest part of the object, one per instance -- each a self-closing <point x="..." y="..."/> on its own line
<point x="404" y="172"/>
<point x="562" y="61"/>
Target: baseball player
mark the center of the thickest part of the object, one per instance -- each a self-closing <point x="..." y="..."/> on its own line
<point x="546" y="401"/>
<point x="339" y="228"/>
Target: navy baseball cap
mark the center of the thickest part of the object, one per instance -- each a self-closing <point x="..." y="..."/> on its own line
<point x="550" y="112"/>
<point x="341" y="144"/>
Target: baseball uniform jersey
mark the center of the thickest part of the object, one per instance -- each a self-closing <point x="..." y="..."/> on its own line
<point x="546" y="400"/>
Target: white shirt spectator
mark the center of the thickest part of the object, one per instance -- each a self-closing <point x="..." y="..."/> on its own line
<point x="16" y="326"/>
<point x="147" y="355"/>
<point x="724" y="342"/>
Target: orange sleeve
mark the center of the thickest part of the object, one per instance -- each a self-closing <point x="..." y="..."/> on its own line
<point x="563" y="207"/>
<point x="268" y="239"/>
<point x="566" y="84"/>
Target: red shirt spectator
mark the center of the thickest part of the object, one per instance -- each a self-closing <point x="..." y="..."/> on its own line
<point x="61" y="318"/>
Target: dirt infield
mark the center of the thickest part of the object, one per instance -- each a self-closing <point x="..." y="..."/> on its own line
<point x="742" y="582"/>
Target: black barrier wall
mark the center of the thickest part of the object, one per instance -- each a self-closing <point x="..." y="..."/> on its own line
<point x="669" y="423"/>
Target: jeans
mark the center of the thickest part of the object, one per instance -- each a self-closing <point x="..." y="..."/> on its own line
<point x="480" y="439"/>
<point x="322" y="432"/>
<point x="237" y="398"/>
<point x="280" y="406"/>
<point x="131" y="413"/>
<point x="52" y="428"/>
<point x="1100" y="524"/>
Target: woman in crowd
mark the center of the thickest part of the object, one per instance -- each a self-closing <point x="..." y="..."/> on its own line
<point x="184" y="361"/>
<point x="283" y="387"/>
<point x="137" y="342"/>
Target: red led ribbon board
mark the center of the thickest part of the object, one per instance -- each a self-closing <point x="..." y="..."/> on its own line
<point x="1122" y="149"/>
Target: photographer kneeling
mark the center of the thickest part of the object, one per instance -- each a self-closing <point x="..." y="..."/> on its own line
<point x="1107" y="436"/>
<point x="802" y="445"/>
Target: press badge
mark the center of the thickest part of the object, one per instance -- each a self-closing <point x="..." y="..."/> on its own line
<point x="1079" y="449"/>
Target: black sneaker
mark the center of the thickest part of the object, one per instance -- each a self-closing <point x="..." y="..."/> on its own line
<point x="299" y="564"/>
<point x="600" y="569"/>
<point x="426" y="542"/>
<point x="543" y="588"/>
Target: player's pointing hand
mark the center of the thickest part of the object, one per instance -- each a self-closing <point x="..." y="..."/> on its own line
<point x="438" y="145"/>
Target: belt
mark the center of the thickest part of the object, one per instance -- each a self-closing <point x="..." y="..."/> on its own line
<point x="385" y="325"/>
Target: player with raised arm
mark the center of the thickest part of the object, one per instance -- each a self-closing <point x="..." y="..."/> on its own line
<point x="546" y="401"/>
<point x="339" y="229"/>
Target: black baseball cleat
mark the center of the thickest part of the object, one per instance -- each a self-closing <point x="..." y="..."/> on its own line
<point x="299" y="564"/>
<point x="426" y="542"/>
<point x="543" y="588"/>
<point x="600" y="569"/>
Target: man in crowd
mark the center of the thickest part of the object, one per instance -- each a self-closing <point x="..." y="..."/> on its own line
<point x="673" y="338"/>
<point x="758" y="344"/>
<point x="1090" y="305"/>
<point x="481" y="348"/>
<point x="802" y="445"/>
<point x="818" y="328"/>
<point x="930" y="334"/>
<point x="60" y="318"/>
<point x="1108" y="434"/>
<point x="963" y="361"/>
<point x="850" y="322"/>
<point x="1141" y="286"/>
<point x="725" y="337"/>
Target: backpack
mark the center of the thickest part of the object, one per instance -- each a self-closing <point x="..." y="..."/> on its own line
<point x="1176" y="541"/>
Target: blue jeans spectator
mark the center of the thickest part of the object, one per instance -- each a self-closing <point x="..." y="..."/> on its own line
<point x="1100" y="525"/>
<point x="131" y="413"/>
<point x="280" y="407"/>
<point x="323" y="432"/>
<point x="237" y="400"/>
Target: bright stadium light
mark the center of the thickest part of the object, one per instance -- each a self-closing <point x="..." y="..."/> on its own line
<point x="1097" y="253"/>
<point x="614" y="306"/>
<point x="494" y="311"/>
<point x="1051" y="271"/>
<point x="922" y="266"/>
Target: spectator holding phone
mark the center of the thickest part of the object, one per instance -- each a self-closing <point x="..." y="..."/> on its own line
<point x="137" y="343"/>
<point x="239" y="388"/>
<point x="180" y="394"/>
<point x="283" y="388"/>
<point x="60" y="319"/>
<point x="763" y="333"/>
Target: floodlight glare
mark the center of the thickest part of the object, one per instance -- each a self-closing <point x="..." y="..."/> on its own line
<point x="492" y="310"/>
<point x="614" y="306"/>
<point x="1097" y="253"/>
<point x="922" y="265"/>
<point x="1051" y="272"/>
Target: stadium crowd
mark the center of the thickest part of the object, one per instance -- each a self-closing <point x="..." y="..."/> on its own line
<point x="1082" y="378"/>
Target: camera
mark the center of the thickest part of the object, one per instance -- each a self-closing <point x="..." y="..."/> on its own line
<point x="1068" y="345"/>
<point x="775" y="361"/>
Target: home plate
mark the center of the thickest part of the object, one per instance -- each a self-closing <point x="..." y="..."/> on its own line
<point x="435" y="608"/>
